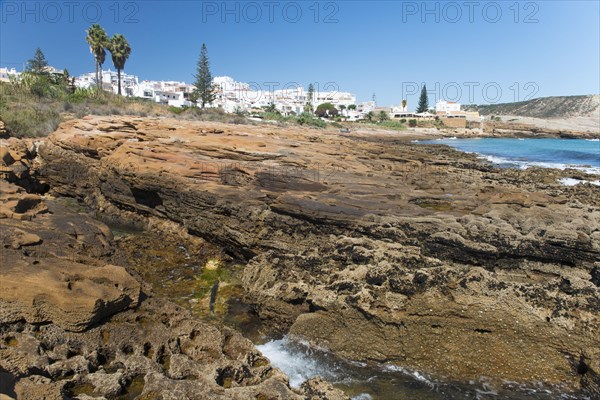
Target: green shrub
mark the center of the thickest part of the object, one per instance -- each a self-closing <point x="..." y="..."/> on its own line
<point x="393" y="125"/>
<point x="412" y="123"/>
<point x="80" y="95"/>
<point x="310" y="120"/>
<point x="438" y="123"/>
<point x="273" y="116"/>
<point x="326" y="110"/>
<point x="177" y="110"/>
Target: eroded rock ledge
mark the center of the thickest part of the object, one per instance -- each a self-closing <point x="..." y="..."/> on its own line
<point x="373" y="247"/>
<point x="74" y="326"/>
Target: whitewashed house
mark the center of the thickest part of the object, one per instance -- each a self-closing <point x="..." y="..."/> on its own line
<point x="231" y="95"/>
<point x="110" y="79"/>
<point x="365" y="107"/>
<point x="447" y="107"/>
<point x="6" y="74"/>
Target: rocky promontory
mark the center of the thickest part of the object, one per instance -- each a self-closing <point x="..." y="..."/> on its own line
<point x="75" y="326"/>
<point x="377" y="249"/>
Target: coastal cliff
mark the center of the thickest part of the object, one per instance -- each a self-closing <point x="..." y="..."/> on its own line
<point x="375" y="248"/>
<point x="76" y="325"/>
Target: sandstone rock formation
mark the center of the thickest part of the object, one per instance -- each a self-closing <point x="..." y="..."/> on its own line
<point x="73" y="326"/>
<point x="2" y="128"/>
<point x="39" y="283"/>
<point x="376" y="248"/>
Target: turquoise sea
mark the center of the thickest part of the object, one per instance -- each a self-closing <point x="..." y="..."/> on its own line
<point x="582" y="154"/>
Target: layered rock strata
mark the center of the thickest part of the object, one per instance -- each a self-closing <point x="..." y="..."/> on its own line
<point x="375" y="248"/>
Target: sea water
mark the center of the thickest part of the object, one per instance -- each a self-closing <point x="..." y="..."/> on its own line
<point x="300" y="362"/>
<point x="580" y="154"/>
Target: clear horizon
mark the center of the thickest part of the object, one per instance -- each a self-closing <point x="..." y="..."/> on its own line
<point x="471" y="52"/>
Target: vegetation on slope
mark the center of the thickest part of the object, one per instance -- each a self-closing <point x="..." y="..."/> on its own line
<point x="543" y="107"/>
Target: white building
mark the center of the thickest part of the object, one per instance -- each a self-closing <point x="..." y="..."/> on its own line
<point x="231" y="96"/>
<point x="6" y="74"/>
<point x="365" y="107"/>
<point x="52" y="70"/>
<point x="129" y="83"/>
<point x="400" y="109"/>
<point x="334" y="97"/>
<point x="447" y="107"/>
<point x="173" y="93"/>
<point x="353" y="115"/>
<point x="244" y="96"/>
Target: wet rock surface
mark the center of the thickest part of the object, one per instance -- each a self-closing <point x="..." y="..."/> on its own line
<point x="373" y="247"/>
<point x="157" y="351"/>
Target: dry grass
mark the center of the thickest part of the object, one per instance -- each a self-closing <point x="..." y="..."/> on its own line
<point x="27" y="114"/>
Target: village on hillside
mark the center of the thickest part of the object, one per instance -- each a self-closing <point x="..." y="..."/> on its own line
<point x="234" y="97"/>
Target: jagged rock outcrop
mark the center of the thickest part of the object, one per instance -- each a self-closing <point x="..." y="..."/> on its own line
<point x="74" y="326"/>
<point x="375" y="248"/>
<point x="155" y="351"/>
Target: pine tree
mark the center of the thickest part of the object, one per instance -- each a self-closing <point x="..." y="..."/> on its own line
<point x="204" y="85"/>
<point x="423" y="101"/>
<point x="309" y="98"/>
<point x="38" y="63"/>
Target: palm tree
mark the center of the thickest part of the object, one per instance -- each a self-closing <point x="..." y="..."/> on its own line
<point x="404" y="103"/>
<point x="370" y="115"/>
<point x="119" y="51"/>
<point x="98" y="41"/>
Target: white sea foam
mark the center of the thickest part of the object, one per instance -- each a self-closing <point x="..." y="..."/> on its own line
<point x="528" y="164"/>
<point x="363" y="396"/>
<point x="573" y="182"/>
<point x="592" y="140"/>
<point x="570" y="181"/>
<point x="415" y="374"/>
<point x="301" y="363"/>
<point x="298" y="365"/>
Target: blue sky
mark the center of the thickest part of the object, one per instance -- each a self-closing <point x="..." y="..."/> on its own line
<point x="469" y="51"/>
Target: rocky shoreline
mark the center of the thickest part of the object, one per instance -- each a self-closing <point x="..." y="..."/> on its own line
<point x="374" y="248"/>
